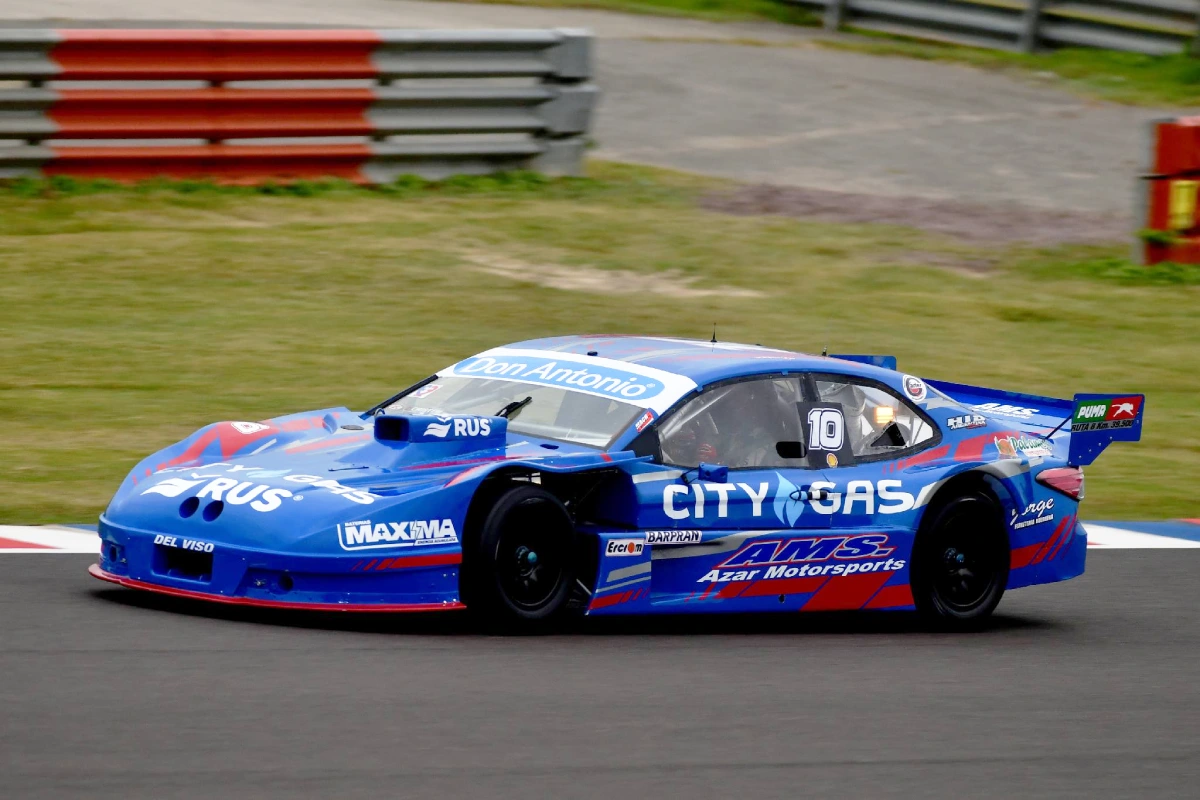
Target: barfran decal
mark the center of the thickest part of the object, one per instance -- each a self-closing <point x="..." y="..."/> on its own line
<point x="195" y="545"/>
<point x="1002" y="410"/>
<point x="1039" y="512"/>
<point x="966" y="421"/>
<point x="673" y="537"/>
<point x="1101" y="415"/>
<point x="914" y="388"/>
<point x="624" y="547"/>
<point x="365" y="535"/>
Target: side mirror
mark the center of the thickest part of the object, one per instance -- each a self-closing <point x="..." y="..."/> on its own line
<point x="791" y="449"/>
<point x="713" y="473"/>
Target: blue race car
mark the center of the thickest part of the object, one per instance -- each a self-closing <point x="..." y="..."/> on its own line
<point x="606" y="475"/>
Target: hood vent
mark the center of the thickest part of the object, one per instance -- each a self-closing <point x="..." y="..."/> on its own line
<point x="391" y="429"/>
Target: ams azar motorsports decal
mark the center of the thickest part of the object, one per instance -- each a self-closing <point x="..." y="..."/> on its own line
<point x="808" y="557"/>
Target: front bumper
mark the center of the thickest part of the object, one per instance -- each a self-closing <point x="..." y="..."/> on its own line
<point x="96" y="571"/>
<point x="235" y="575"/>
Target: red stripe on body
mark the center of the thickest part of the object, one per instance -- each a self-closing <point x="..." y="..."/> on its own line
<point x="1068" y="535"/>
<point x="844" y="593"/>
<point x="229" y="439"/>
<point x="322" y="444"/>
<point x="972" y="449"/>
<point x="732" y="589"/>
<point x="1023" y="555"/>
<point x="1058" y="531"/>
<point x="892" y="597"/>
<point x="614" y="599"/>
<point x="408" y="562"/>
<point x="922" y="458"/>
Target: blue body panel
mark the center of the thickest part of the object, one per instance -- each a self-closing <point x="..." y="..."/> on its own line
<point x="337" y="509"/>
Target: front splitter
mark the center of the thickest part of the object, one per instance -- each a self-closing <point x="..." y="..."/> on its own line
<point x="254" y="602"/>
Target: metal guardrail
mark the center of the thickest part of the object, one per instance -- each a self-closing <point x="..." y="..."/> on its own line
<point x="250" y="106"/>
<point x="1153" y="27"/>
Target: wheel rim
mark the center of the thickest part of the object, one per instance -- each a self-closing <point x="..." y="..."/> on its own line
<point x="965" y="566"/>
<point x="529" y="559"/>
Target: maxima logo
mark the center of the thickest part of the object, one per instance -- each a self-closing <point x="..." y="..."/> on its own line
<point x="365" y="535"/>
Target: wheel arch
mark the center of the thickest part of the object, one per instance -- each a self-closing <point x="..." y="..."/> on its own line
<point x="574" y="489"/>
<point x="963" y="483"/>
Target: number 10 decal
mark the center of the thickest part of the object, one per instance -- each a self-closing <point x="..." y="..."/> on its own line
<point x="826" y="429"/>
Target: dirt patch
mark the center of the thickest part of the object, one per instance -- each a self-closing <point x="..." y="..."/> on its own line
<point x="971" y="223"/>
<point x="670" y="283"/>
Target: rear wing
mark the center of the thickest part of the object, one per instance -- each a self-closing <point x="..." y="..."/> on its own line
<point x="1098" y="420"/>
<point x="1027" y="410"/>
<point x="1094" y="420"/>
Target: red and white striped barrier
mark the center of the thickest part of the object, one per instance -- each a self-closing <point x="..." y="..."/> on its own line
<point x="231" y="95"/>
<point x="48" y="539"/>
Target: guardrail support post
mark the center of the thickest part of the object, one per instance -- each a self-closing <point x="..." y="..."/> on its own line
<point x="835" y="14"/>
<point x="1030" y="26"/>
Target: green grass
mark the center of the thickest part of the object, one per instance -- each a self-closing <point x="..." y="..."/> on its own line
<point x="1129" y="78"/>
<point x="714" y="10"/>
<point x="131" y="316"/>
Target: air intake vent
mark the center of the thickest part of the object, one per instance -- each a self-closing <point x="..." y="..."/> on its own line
<point x="391" y="429"/>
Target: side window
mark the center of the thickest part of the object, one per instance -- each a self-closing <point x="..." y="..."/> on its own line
<point x="735" y="424"/>
<point x="878" y="423"/>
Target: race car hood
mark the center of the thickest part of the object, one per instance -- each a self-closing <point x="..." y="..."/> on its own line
<point x="294" y="483"/>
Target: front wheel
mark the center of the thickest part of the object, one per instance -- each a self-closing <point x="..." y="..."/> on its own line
<point x="521" y="566"/>
<point x="960" y="562"/>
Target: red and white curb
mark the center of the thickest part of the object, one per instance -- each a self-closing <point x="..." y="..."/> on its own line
<point x="1110" y="536"/>
<point x="47" y="539"/>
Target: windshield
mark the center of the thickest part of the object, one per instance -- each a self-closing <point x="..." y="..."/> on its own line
<point x="552" y="413"/>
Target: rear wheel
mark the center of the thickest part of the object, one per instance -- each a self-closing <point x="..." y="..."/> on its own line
<point x="960" y="562"/>
<point x="521" y="567"/>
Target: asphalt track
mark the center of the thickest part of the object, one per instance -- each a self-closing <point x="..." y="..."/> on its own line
<point x="1082" y="689"/>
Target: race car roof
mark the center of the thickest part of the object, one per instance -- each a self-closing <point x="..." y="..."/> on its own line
<point x="702" y="362"/>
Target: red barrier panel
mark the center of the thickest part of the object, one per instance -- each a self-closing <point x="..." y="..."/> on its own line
<point x="1171" y="218"/>
<point x="214" y="55"/>
<point x="234" y="164"/>
<point x="210" y="113"/>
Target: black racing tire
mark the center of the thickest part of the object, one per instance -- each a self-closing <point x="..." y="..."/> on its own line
<point x="519" y="567"/>
<point x="960" y="562"/>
